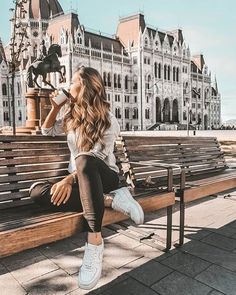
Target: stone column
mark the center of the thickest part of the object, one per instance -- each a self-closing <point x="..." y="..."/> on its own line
<point x="38" y="107"/>
<point x="32" y="109"/>
<point x="45" y="105"/>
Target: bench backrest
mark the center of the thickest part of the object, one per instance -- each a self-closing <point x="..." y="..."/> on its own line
<point x="28" y="159"/>
<point x="199" y="155"/>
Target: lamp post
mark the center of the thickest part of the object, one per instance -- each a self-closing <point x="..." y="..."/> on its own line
<point x="17" y="46"/>
<point x="189" y="111"/>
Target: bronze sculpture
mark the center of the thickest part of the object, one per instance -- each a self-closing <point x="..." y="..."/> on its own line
<point x="44" y="64"/>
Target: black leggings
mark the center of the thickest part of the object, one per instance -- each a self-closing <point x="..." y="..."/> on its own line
<point x="94" y="179"/>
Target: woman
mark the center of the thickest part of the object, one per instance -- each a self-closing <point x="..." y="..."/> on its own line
<point x="91" y="132"/>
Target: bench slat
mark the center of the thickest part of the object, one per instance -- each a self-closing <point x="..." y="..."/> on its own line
<point x="35" y="160"/>
<point x="33" y="168"/>
<point x="31" y="153"/>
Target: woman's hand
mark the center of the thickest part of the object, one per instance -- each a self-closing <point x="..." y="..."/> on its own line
<point x="61" y="192"/>
<point x="56" y="106"/>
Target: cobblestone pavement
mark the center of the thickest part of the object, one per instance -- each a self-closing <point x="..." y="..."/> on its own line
<point x="204" y="265"/>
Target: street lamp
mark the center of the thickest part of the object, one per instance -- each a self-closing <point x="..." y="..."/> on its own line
<point x="17" y="46"/>
<point x="189" y="111"/>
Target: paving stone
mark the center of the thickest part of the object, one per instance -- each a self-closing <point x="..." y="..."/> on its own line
<point x="22" y="259"/>
<point x="179" y="284"/>
<point x="216" y="293"/>
<point x="129" y="287"/>
<point x="150" y="272"/>
<point x="34" y="270"/>
<point x="220" y="279"/>
<point x="148" y="251"/>
<point x="70" y="261"/>
<point x="110" y="276"/>
<point x="198" y="234"/>
<point x="124" y="241"/>
<point x="220" y="241"/>
<point x="226" y="231"/>
<point x="211" y="254"/>
<point x="233" y="224"/>
<point x="9" y="286"/>
<point x="78" y="239"/>
<point x="56" y="282"/>
<point x="187" y="264"/>
<point x="3" y="269"/>
<point x="59" y="247"/>
<point x="118" y="255"/>
<point x="108" y="233"/>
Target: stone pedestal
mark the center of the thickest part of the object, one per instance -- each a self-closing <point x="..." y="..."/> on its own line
<point x="38" y="106"/>
<point x="32" y="108"/>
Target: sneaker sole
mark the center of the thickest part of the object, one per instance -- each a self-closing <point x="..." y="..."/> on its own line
<point x="91" y="285"/>
<point x="140" y="209"/>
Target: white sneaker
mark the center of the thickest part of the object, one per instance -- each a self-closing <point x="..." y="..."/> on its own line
<point x="125" y="203"/>
<point x="91" y="269"/>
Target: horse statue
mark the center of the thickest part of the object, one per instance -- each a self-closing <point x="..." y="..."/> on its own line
<point x="48" y="64"/>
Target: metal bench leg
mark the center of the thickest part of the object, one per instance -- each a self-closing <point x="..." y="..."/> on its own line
<point x="169" y="228"/>
<point x="181" y="222"/>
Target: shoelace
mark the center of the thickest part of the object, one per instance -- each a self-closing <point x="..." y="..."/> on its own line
<point x="89" y="258"/>
<point x="122" y="206"/>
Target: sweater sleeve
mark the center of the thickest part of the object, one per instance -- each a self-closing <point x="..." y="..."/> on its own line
<point x="56" y="129"/>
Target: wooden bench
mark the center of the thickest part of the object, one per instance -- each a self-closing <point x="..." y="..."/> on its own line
<point x="27" y="159"/>
<point x="199" y="167"/>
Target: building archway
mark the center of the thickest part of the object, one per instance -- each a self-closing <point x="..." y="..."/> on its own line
<point x="175" y="111"/>
<point x="158" y="109"/>
<point x="166" y="111"/>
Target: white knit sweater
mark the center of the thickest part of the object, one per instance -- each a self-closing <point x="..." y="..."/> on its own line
<point x="106" y="154"/>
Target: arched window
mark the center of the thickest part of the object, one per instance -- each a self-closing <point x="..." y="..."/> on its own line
<point x="174" y="72"/>
<point x="18" y="87"/>
<point x="165" y="72"/>
<point x="79" y="39"/>
<point x="119" y="81"/>
<point x="109" y="80"/>
<point x="135" y="83"/>
<point x="148" y="81"/>
<point x="177" y="74"/>
<point x="20" y="116"/>
<point x="155" y="69"/>
<point x="126" y="83"/>
<point x="159" y="70"/>
<point x="126" y="113"/>
<point x="4" y="89"/>
<point x="146" y="41"/>
<point x="135" y="113"/>
<point x="115" y="80"/>
<point x="105" y="78"/>
<point x="5" y="116"/>
<point x="117" y="113"/>
<point x="168" y="72"/>
<point x="147" y="113"/>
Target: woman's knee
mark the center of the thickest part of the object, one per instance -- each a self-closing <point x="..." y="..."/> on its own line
<point x="40" y="191"/>
<point x="85" y="164"/>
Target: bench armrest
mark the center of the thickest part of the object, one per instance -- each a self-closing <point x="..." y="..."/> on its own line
<point x="167" y="167"/>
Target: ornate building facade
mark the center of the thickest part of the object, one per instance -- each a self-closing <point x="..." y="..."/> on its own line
<point x="150" y="76"/>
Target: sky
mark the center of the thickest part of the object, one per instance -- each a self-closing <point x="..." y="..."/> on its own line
<point x="208" y="27"/>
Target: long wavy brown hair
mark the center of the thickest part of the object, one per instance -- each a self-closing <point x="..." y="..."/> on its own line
<point x="88" y="114"/>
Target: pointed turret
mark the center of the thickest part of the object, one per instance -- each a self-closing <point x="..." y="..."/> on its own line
<point x="215" y="85"/>
<point x="2" y="52"/>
